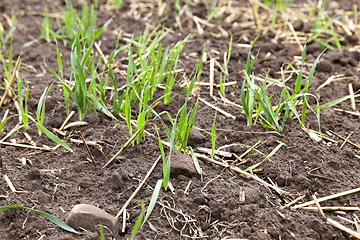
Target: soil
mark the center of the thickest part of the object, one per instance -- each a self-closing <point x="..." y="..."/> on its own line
<point x="212" y="208"/>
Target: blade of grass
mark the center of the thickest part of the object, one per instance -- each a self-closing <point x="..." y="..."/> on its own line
<point x="153" y="199"/>
<point x="50" y="134"/>
<point x="196" y="162"/>
<point x="267" y="157"/>
<point x="138" y="221"/>
<point x="213" y="137"/>
<point x="47" y="216"/>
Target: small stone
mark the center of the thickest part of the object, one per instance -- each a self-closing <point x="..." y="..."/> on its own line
<point x="182" y="165"/>
<point x="88" y="217"/>
<point x="333" y="5"/>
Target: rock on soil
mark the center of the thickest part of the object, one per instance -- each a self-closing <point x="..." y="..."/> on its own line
<point x="182" y="165"/>
<point x="88" y="217"/>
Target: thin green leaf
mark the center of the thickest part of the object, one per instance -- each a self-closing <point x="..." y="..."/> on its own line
<point x="138" y="222"/>
<point x="153" y="199"/>
<point x="47" y="216"/>
<point x="196" y="162"/>
<point x="51" y="135"/>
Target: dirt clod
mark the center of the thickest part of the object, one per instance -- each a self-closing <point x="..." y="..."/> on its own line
<point x="34" y="174"/>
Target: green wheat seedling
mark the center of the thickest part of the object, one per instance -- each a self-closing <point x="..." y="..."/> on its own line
<point x="149" y="40"/>
<point x="2" y="124"/>
<point x="15" y="17"/>
<point x="248" y="94"/>
<point x="137" y="224"/>
<point x="177" y="8"/>
<point x="225" y="68"/>
<point x="8" y="35"/>
<point x="116" y="3"/>
<point x="168" y="67"/>
<point x="81" y="65"/>
<point x="182" y="127"/>
<point x="324" y="24"/>
<point x="66" y="28"/>
<point x="267" y="157"/>
<point x="136" y="78"/>
<point x="86" y="25"/>
<point x="8" y="69"/>
<point x="40" y="114"/>
<point x="102" y="237"/>
<point x="49" y="217"/>
<point x="47" y="132"/>
<point x="177" y="136"/>
<point x="47" y="32"/>
<point x="133" y="93"/>
<point x="156" y="64"/>
<point x="144" y="110"/>
<point x="103" y="79"/>
<point x="40" y="111"/>
<point x="186" y="121"/>
<point x="153" y="199"/>
<point x="23" y="102"/>
<point x="166" y="164"/>
<point x="278" y="6"/>
<point x="213" y="137"/>
<point x="166" y="174"/>
<point x="210" y="9"/>
<point x="180" y="130"/>
<point x="256" y="101"/>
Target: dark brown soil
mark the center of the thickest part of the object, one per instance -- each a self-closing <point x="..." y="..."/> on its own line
<point x="212" y="206"/>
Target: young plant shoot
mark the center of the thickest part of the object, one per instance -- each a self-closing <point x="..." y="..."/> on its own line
<point x="86" y="25"/>
<point x="40" y="112"/>
<point x="23" y="102"/>
<point x="224" y="73"/>
<point x="213" y="137"/>
<point x="82" y="66"/>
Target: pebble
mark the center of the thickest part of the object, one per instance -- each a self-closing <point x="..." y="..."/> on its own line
<point x="88" y="217"/>
<point x="182" y="165"/>
<point x="334" y="5"/>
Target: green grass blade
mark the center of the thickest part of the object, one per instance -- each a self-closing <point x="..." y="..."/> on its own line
<point x="330" y="104"/>
<point x="300" y="75"/>
<point x="249" y="64"/>
<point x="47" y="216"/>
<point x="11" y="132"/>
<point x="267" y="157"/>
<point x="102" y="237"/>
<point x="275" y="150"/>
<point x="324" y="44"/>
<point x="51" y="135"/>
<point x="153" y="199"/>
<point x="196" y="162"/>
<point x="213" y="137"/>
<point x="138" y="221"/>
